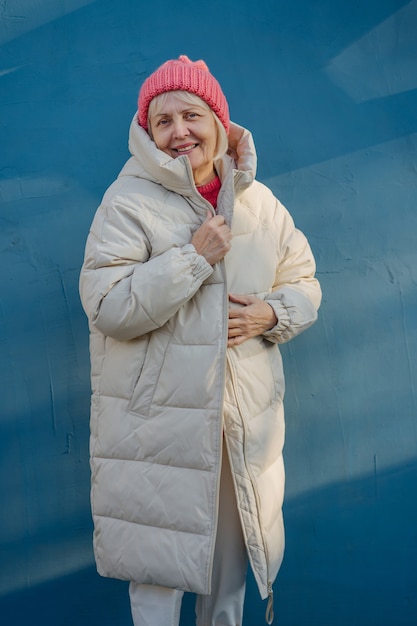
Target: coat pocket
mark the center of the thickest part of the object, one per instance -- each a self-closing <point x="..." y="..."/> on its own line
<point x="147" y="383"/>
<point x="258" y="375"/>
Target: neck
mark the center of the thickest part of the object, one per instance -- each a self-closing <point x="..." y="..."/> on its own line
<point x="204" y="177"/>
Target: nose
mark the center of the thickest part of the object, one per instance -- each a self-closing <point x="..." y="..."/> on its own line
<point x="180" y="128"/>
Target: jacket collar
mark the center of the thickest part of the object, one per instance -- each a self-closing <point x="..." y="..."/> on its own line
<point x="237" y="168"/>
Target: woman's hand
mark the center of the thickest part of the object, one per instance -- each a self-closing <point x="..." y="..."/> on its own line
<point x="250" y="320"/>
<point x="212" y="239"/>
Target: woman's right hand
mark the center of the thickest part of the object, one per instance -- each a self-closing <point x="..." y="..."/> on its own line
<point x="212" y="239"/>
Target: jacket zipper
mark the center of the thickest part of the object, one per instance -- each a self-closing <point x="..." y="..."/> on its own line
<point x="225" y="325"/>
<point x="269" y="613"/>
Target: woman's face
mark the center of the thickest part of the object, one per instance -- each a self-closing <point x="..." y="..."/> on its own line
<point x="182" y="128"/>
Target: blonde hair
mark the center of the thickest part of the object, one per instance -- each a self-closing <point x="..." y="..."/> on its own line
<point x="157" y="104"/>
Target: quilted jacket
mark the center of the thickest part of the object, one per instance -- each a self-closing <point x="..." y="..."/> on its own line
<point x="166" y="389"/>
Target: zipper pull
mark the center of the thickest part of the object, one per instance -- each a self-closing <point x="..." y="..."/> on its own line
<point x="269" y="614"/>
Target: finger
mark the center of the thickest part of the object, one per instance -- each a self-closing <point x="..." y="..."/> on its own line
<point x="232" y="327"/>
<point x="235" y="341"/>
<point x="219" y="220"/>
<point x="233" y="331"/>
<point x="239" y="298"/>
<point x="235" y="314"/>
<point x="223" y="228"/>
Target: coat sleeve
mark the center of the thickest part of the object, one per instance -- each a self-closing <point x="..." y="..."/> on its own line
<point x="125" y="291"/>
<point x="296" y="294"/>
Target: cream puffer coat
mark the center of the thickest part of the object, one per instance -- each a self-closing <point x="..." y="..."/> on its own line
<point x="165" y="385"/>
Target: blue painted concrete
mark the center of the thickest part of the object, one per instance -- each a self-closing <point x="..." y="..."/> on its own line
<point x="329" y="89"/>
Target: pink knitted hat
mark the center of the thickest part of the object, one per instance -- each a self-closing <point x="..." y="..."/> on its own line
<point x="183" y="75"/>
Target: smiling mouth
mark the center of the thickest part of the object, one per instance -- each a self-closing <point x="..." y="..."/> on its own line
<point x="185" y="149"/>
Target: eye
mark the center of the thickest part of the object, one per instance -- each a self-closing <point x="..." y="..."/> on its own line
<point x="191" y="115"/>
<point x="163" y="122"/>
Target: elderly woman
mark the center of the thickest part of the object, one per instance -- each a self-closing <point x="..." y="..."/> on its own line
<point x="193" y="273"/>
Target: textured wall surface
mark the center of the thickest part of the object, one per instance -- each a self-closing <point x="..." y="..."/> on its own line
<point x="329" y="90"/>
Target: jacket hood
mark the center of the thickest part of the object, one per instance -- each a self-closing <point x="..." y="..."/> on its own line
<point x="150" y="163"/>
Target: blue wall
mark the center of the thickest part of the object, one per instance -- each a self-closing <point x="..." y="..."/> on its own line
<point x="329" y="89"/>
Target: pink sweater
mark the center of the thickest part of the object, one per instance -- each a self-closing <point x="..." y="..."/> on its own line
<point x="211" y="191"/>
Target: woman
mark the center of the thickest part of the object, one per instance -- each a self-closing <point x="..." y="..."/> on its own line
<point x="193" y="273"/>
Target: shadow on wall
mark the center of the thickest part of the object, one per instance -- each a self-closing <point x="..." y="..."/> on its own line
<point x="80" y="599"/>
<point x="360" y="540"/>
<point x="326" y="531"/>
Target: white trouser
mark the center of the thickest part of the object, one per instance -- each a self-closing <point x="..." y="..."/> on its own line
<point x="159" y="606"/>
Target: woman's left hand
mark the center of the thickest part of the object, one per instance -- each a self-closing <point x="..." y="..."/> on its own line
<point x="250" y="320"/>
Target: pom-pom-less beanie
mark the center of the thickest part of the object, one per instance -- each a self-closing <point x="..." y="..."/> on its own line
<point x="182" y="74"/>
